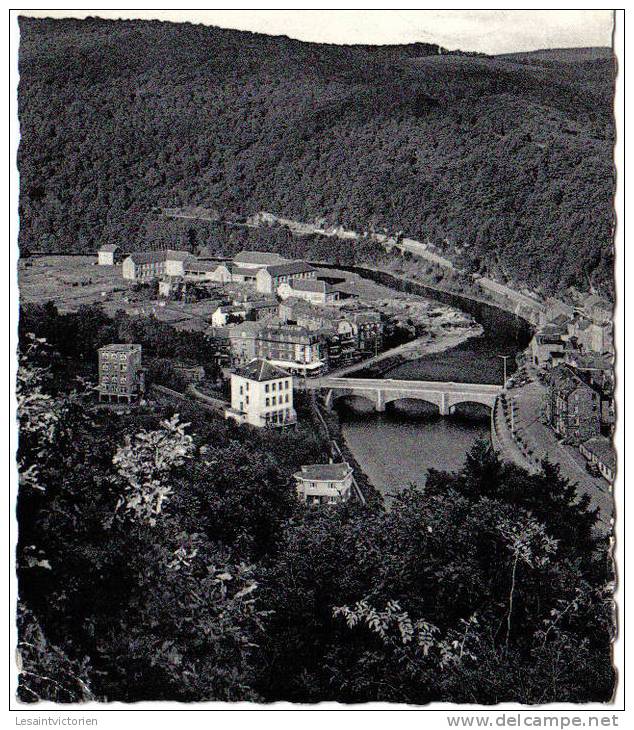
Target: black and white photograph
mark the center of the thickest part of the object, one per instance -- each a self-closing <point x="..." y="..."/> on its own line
<point x="313" y="359"/>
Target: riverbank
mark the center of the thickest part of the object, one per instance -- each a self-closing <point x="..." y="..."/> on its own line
<point x="413" y="350"/>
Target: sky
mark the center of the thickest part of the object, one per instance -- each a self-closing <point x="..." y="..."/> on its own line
<point x="487" y="31"/>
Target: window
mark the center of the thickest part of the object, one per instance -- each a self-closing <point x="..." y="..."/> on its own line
<point x="274" y="400"/>
<point x="268" y="402"/>
<point x="241" y="406"/>
<point x="247" y="400"/>
<point x="286" y="385"/>
<point x="273" y="386"/>
<point x="266" y="388"/>
<point x="286" y="398"/>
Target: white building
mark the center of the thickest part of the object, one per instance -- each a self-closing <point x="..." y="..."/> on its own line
<point x="147" y="265"/>
<point x="262" y="395"/>
<point x="314" y="291"/>
<point x="108" y="255"/>
<point x="324" y="483"/>
<point x="224" y="313"/>
<point x="269" y="279"/>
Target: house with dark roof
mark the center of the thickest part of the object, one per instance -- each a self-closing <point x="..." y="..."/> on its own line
<point x="296" y="349"/>
<point x="257" y="259"/>
<point x="262" y="396"/>
<point x="600" y="451"/>
<point x="321" y="484"/>
<point x="269" y="278"/>
<point x="109" y="255"/>
<point x="315" y="291"/>
<point x="573" y="408"/>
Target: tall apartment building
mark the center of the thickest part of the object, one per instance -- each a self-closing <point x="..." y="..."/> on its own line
<point x="121" y="376"/>
<point x="262" y="395"/>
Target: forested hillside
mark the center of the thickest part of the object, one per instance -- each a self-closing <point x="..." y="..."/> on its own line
<point x="505" y="163"/>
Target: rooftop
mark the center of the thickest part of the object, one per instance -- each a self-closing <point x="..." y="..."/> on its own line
<point x="603" y="449"/>
<point x="198" y="265"/>
<point x="259" y="257"/>
<point x="324" y="472"/>
<point x="311" y="285"/>
<point x="261" y="370"/>
<point x="120" y="347"/>
<point x="109" y="247"/>
<point x="290" y="268"/>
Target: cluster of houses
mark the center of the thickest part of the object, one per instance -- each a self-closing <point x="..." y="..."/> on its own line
<point x="574" y="346"/>
<point x="291" y="324"/>
<point x="261" y="396"/>
<point x="287" y="312"/>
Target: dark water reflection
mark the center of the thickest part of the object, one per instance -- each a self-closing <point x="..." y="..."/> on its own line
<point x="396" y="448"/>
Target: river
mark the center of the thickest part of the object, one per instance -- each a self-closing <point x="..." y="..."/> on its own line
<point x="398" y="447"/>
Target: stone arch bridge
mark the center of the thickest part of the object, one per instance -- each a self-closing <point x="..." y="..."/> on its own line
<point x="445" y="396"/>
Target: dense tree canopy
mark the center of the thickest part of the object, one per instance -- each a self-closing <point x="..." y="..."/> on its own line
<point x="505" y="163"/>
<point x="164" y="555"/>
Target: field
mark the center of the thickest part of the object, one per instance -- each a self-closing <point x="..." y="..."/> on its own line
<point x="69" y="281"/>
<point x="72" y="281"/>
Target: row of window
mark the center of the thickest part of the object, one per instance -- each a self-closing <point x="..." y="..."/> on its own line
<point x="278" y="416"/>
<point x="116" y="389"/>
<point x="283" y="385"/>
<point x="272" y="401"/>
<point x="111" y="356"/>
<point x="122" y="367"/>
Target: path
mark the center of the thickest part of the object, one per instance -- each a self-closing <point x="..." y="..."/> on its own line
<point x="543" y="442"/>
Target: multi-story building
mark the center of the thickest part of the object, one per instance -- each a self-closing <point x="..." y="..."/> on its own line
<point x="324" y="483"/>
<point x="269" y="278"/>
<point x="264" y="309"/>
<point x="147" y="265"/>
<point x="109" y="255"/>
<point x="121" y="376"/>
<point x="547" y="346"/>
<point x="369" y="330"/>
<point x="242" y="339"/>
<point x="292" y="347"/>
<point x="262" y="395"/>
<point x="311" y="290"/>
<point x="573" y="408"/>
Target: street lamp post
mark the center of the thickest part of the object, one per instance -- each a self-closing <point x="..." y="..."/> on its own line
<point x="505" y="358"/>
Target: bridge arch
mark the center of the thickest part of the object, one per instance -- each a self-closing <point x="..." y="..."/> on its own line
<point x="419" y="407"/>
<point x="430" y="398"/>
<point x="483" y="399"/>
<point x="340" y="395"/>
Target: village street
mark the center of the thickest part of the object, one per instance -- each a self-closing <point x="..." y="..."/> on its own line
<point x="542" y="441"/>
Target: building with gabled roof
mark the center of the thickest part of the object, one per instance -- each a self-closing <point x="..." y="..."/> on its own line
<point x="311" y="290"/>
<point x="148" y="265"/>
<point x="262" y="395"/>
<point x="109" y="255"/>
<point x="268" y="279"/>
<point x="320" y="484"/>
<point x="600" y="451"/>
<point x="257" y="259"/>
<point x="573" y="408"/>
